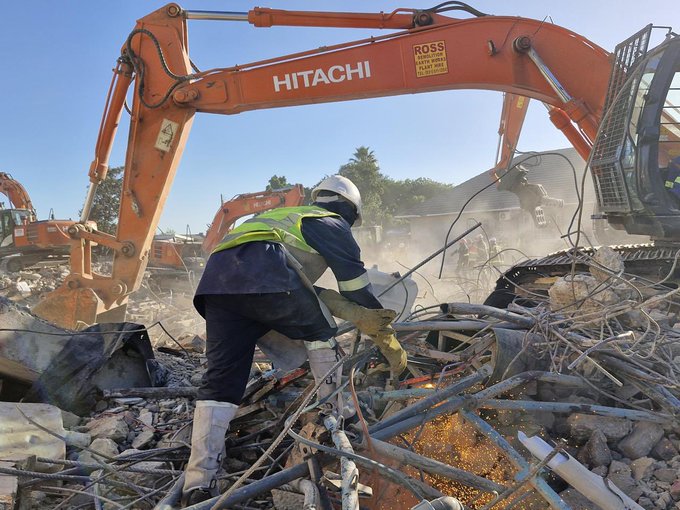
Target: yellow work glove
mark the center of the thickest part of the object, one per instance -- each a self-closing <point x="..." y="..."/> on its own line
<point x="392" y="350"/>
<point x="369" y="321"/>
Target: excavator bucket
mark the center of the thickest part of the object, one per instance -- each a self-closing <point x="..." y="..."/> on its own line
<point x="82" y="305"/>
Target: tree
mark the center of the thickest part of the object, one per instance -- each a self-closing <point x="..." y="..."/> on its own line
<point x="400" y="196"/>
<point x="107" y="201"/>
<point x="281" y="181"/>
<point x="277" y="182"/>
<point x="364" y="171"/>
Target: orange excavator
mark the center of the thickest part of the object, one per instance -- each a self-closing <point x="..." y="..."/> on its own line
<point x="619" y="110"/>
<point x="175" y="256"/>
<point x="245" y="205"/>
<point x="24" y="240"/>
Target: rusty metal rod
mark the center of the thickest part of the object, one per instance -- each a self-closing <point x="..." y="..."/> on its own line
<point x="520" y="462"/>
<point x="428" y="403"/>
<point x="568" y="408"/>
<point x="435" y="467"/>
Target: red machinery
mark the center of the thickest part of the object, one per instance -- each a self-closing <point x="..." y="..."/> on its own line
<point x="619" y="107"/>
<point x="24" y="240"/>
<point x="187" y="253"/>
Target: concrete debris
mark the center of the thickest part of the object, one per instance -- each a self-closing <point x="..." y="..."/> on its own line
<point x="606" y="263"/>
<point x="640" y="442"/>
<point x="112" y="427"/>
<point x="592" y="367"/>
<point x="664" y="449"/>
<point x="642" y="468"/>
<point x="595" y="452"/>
<point x="583" y="426"/>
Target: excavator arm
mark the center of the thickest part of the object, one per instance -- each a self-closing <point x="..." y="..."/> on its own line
<point x="434" y="52"/>
<point x="17" y="194"/>
<point x="247" y="204"/>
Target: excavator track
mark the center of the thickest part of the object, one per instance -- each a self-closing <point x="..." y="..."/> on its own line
<point x="648" y="263"/>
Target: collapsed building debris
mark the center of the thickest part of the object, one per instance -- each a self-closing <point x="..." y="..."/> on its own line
<point x="595" y="377"/>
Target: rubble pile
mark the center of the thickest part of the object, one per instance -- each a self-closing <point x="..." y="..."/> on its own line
<point x="590" y="367"/>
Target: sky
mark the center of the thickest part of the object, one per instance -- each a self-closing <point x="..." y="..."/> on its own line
<point x="58" y="58"/>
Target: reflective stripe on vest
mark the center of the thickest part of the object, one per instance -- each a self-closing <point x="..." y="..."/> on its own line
<point x="671" y="184"/>
<point x="354" y="284"/>
<point x="283" y="225"/>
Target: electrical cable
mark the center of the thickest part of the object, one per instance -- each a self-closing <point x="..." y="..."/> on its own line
<point x="467" y="202"/>
<point x="140" y="68"/>
<point x="455" y="6"/>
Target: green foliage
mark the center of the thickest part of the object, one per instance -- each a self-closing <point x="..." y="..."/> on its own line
<point x="383" y="197"/>
<point x="107" y="201"/>
<point x="400" y="196"/>
<point x="278" y="182"/>
<point x="364" y="171"/>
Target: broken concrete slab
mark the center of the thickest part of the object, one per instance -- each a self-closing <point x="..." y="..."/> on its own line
<point x="620" y="475"/>
<point x="68" y="368"/>
<point x="642" y="468"/>
<point x="9" y="487"/>
<point x="641" y="440"/>
<point x="582" y="427"/>
<point x="20" y="439"/>
<point x="104" y="445"/>
<point x="595" y="452"/>
<point x="113" y="427"/>
<point x="664" y="449"/>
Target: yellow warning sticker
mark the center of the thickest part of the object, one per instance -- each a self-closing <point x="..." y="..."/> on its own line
<point x="430" y="58"/>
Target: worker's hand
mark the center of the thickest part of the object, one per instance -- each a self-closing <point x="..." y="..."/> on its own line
<point x="369" y="321"/>
<point x="393" y="351"/>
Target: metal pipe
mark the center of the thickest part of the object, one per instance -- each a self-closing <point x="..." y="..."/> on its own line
<point x="548" y="75"/>
<point x="568" y="408"/>
<point x="452" y="405"/>
<point x="216" y="15"/>
<point x="89" y="200"/>
<point x="468" y="325"/>
<point x="251" y="490"/>
<point x="373" y="395"/>
<point x="311" y="492"/>
<point x="427" y="404"/>
<point x="348" y="469"/>
<point x="435" y="467"/>
<point x="496" y="313"/>
<point x="538" y="483"/>
<point x="171" y="499"/>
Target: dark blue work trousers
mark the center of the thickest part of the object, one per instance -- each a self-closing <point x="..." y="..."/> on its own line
<point x="234" y="323"/>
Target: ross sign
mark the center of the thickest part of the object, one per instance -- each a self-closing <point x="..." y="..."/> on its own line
<point x="430" y="59"/>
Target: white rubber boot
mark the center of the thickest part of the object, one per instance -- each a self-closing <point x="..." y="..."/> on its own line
<point x="211" y="422"/>
<point x="321" y="360"/>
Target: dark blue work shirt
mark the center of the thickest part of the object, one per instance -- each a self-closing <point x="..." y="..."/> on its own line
<point x="260" y="267"/>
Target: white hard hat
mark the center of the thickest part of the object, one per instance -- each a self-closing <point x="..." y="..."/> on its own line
<point x="345" y="188"/>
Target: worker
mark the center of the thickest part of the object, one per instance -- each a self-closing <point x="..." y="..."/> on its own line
<point x="259" y="278"/>
<point x="463" y="256"/>
<point x="480" y="253"/>
<point x="673" y="176"/>
<point x="495" y="253"/>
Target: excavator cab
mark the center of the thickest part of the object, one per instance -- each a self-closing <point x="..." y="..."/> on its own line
<point x="10" y="219"/>
<point x="635" y="163"/>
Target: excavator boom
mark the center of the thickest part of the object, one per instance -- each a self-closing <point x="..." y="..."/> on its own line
<point x="17" y="194"/>
<point x="515" y="55"/>
<point x="247" y="204"/>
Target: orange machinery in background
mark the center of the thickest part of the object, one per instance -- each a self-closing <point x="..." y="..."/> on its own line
<point x="25" y="240"/>
<point x="189" y="253"/>
<point x="598" y="100"/>
<point x="247" y="204"/>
